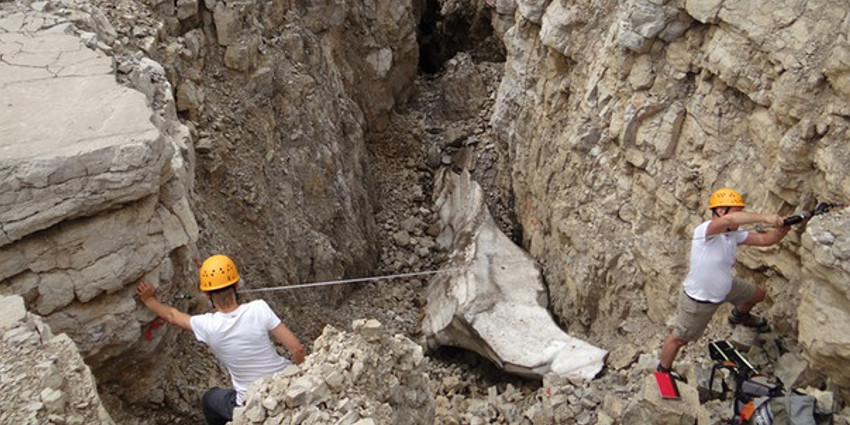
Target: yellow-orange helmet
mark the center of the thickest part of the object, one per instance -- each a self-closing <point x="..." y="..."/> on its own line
<point x="217" y="272"/>
<point x="725" y="198"/>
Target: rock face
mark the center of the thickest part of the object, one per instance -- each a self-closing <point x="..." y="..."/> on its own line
<point x="617" y="120"/>
<point x="276" y="96"/>
<point x="824" y="305"/>
<point x="44" y="378"/>
<point x="360" y="377"/>
<point x="492" y="300"/>
<point x="280" y="94"/>
<point x="95" y="178"/>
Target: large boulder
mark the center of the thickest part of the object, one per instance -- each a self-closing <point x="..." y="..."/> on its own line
<point x="74" y="144"/>
<point x="95" y="179"/>
<point x="491" y="299"/>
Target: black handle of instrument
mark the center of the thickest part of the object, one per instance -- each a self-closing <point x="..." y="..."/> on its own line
<point x="821" y="208"/>
<point x="794" y="219"/>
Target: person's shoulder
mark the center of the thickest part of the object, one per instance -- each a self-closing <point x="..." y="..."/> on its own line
<point x="701" y="229"/>
<point x="201" y="320"/>
<point x="260" y="308"/>
<point x="257" y="304"/>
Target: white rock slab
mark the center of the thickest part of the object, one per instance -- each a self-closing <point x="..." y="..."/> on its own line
<point x="492" y="299"/>
<point x="74" y="142"/>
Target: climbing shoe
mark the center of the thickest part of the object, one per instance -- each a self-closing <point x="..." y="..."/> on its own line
<point x="673" y="374"/>
<point x="749" y="320"/>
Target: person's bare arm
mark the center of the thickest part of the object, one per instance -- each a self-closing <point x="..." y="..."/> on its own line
<point x="767" y="238"/>
<point x="733" y="219"/>
<point x="147" y="294"/>
<point x="290" y="341"/>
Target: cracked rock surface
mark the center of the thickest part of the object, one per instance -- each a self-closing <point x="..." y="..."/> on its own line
<point x="73" y="143"/>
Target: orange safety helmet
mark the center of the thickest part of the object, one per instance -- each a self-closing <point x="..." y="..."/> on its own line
<point x="725" y="198"/>
<point x="217" y="272"/>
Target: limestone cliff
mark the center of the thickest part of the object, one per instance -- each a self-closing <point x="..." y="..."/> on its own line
<point x="280" y="95"/>
<point x="617" y="119"/>
<point x="614" y="122"/>
<point x="99" y="176"/>
<point x="95" y="179"/>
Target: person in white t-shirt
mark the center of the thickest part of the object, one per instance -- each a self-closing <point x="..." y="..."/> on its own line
<point x="238" y="335"/>
<point x="709" y="282"/>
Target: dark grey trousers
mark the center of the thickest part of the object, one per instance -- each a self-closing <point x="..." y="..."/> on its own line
<point x="218" y="404"/>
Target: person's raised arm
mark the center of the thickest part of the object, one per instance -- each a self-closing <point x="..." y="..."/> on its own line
<point x="767" y="238"/>
<point x="147" y="294"/>
<point x="734" y="219"/>
<point x="290" y="341"/>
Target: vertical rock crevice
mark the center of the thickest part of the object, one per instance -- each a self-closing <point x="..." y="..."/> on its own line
<point x="447" y="27"/>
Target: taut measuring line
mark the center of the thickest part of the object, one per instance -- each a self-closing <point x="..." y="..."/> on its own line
<point x="355" y="280"/>
<point x="819" y="209"/>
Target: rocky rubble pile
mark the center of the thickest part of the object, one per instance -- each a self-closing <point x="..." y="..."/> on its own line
<point x="556" y="401"/>
<point x="360" y="377"/>
<point x="43" y="378"/>
<point x="368" y="377"/>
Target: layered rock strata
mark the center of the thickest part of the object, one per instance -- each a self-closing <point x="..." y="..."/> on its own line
<point x="825" y="303"/>
<point x="617" y="120"/>
<point x="95" y="179"/>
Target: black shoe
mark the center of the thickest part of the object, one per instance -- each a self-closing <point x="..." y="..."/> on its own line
<point x="673" y="374"/>
<point x="749" y="320"/>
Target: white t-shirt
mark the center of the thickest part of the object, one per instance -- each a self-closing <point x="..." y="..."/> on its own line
<point x="240" y="339"/>
<point x="712" y="259"/>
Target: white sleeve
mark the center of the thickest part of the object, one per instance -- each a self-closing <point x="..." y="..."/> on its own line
<point x="269" y="318"/>
<point x="197" y="324"/>
<point x="700" y="231"/>
<point x="741" y="236"/>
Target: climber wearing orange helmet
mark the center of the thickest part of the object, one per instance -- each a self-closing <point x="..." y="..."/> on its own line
<point x="709" y="282"/>
<point x="238" y="334"/>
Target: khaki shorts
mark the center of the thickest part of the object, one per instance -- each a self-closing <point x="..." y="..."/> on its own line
<point x="694" y="316"/>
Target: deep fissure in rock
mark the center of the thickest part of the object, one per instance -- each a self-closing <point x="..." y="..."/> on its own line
<point x="465" y="29"/>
